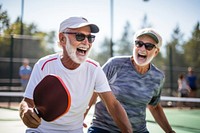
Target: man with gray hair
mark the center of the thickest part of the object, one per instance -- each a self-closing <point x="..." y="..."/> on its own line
<point x="137" y="84"/>
<point x="81" y="75"/>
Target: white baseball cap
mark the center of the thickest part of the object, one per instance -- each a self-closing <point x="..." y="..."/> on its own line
<point x="77" y="22"/>
<point x="150" y="32"/>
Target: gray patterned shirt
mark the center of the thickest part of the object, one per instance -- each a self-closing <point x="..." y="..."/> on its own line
<point x="133" y="90"/>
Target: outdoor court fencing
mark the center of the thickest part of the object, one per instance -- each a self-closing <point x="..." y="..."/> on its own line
<point x="13" y="48"/>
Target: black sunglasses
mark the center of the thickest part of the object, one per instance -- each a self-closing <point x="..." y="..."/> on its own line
<point x="148" y="46"/>
<point x="80" y="36"/>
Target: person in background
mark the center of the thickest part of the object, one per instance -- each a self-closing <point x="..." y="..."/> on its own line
<point x="81" y="75"/>
<point x="24" y="73"/>
<point x="137" y="84"/>
<point x="183" y="88"/>
<point x="192" y="81"/>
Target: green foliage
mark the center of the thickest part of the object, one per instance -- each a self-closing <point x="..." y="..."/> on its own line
<point x="4" y="47"/>
<point x="4" y="19"/>
<point x="176" y="52"/>
<point x="31" y="39"/>
<point x="145" y="23"/>
<point x="184" y="53"/>
<point x="192" y="47"/>
<point x="124" y="45"/>
<point x="159" y="61"/>
<point x="103" y="53"/>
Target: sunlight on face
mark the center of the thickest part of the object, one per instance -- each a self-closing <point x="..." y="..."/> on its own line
<point x="142" y="61"/>
<point x="141" y="55"/>
<point x="72" y="52"/>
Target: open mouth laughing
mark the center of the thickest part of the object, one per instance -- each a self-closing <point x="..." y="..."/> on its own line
<point x="142" y="55"/>
<point x="82" y="51"/>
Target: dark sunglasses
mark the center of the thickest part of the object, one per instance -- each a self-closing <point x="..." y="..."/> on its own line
<point x="148" y="46"/>
<point x="80" y="36"/>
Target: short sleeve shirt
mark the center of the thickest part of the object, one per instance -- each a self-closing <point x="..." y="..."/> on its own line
<point x="81" y="83"/>
<point x="133" y="90"/>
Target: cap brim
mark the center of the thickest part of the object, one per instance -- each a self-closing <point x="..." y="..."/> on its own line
<point x="94" y="28"/>
<point x="154" y="37"/>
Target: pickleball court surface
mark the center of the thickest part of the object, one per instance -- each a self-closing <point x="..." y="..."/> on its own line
<point x="183" y="120"/>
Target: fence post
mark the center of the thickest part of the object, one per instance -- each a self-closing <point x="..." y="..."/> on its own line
<point x="171" y="69"/>
<point x="11" y="67"/>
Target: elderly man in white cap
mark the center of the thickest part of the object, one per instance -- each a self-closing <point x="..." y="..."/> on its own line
<point x="137" y="84"/>
<point x="82" y="76"/>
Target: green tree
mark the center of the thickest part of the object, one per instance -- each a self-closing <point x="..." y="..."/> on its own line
<point x="33" y="44"/>
<point x="159" y="61"/>
<point x="43" y="41"/>
<point x="124" y="45"/>
<point x="4" y="19"/>
<point x="50" y="40"/>
<point x="174" y="59"/>
<point x="176" y="48"/>
<point x="192" y="47"/>
<point x="104" y="52"/>
<point x="145" y="23"/>
<point x="27" y="44"/>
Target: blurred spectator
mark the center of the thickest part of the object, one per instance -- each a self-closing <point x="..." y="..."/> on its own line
<point x="24" y="73"/>
<point x="192" y="81"/>
<point x="183" y="88"/>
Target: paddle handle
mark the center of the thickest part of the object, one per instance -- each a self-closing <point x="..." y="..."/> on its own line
<point x="36" y="111"/>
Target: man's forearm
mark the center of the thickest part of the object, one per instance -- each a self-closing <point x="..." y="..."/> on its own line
<point x="160" y="118"/>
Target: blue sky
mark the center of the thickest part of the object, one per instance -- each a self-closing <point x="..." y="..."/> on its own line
<point x="164" y="15"/>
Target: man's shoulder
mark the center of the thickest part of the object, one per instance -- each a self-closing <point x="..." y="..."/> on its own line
<point x="157" y="70"/>
<point x="119" y="59"/>
<point x="48" y="58"/>
<point x="42" y="62"/>
<point x="92" y="62"/>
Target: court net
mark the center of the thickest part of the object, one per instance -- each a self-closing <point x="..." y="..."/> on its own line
<point x="167" y="101"/>
<point x="182" y="113"/>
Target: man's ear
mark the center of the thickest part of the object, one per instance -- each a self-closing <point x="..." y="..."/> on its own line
<point x="62" y="38"/>
<point x="156" y="52"/>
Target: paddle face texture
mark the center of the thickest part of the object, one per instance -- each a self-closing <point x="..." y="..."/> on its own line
<point x="52" y="98"/>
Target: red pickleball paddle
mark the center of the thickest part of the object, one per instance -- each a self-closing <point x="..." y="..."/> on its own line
<point x="51" y="97"/>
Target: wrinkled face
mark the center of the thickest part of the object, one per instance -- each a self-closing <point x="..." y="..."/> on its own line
<point x="78" y="50"/>
<point x="142" y="54"/>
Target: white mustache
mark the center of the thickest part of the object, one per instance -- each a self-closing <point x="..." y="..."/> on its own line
<point x="142" y="52"/>
<point x="83" y="47"/>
